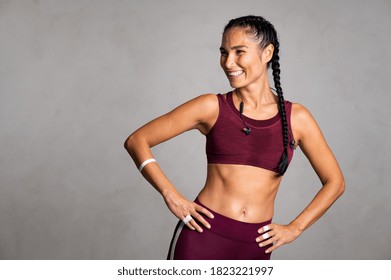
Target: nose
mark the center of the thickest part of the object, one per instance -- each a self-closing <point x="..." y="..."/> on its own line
<point x="227" y="61"/>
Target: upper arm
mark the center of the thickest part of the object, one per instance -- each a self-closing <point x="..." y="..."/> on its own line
<point x="313" y="144"/>
<point x="198" y="113"/>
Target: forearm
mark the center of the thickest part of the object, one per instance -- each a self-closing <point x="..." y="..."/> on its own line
<point x="139" y="149"/>
<point x="323" y="200"/>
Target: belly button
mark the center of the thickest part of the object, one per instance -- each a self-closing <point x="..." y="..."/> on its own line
<point x="243" y="212"/>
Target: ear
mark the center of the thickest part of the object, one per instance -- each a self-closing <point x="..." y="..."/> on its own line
<point x="267" y="53"/>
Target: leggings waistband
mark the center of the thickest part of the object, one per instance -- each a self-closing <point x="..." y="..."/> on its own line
<point x="233" y="229"/>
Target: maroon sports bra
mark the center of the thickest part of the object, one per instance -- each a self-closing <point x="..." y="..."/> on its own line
<point x="226" y="142"/>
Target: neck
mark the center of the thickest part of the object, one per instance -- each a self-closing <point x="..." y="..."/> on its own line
<point x="256" y="93"/>
<point x="256" y="99"/>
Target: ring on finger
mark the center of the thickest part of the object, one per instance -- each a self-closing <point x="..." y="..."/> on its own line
<point x="265" y="236"/>
<point x="187" y="219"/>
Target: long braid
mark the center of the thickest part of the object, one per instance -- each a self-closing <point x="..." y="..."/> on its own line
<point x="283" y="164"/>
<point x="264" y="33"/>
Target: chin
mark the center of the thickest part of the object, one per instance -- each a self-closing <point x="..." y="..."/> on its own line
<point x="234" y="84"/>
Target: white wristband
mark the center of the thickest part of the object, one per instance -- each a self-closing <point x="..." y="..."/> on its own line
<point x="145" y="163"/>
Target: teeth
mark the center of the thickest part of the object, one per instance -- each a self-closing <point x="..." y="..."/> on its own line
<point x="236" y="73"/>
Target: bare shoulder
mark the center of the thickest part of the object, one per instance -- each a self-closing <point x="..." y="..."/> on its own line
<point x="303" y="123"/>
<point x="300" y="113"/>
<point x="202" y="105"/>
<point x="197" y="113"/>
<point x="207" y="106"/>
<point x="208" y="100"/>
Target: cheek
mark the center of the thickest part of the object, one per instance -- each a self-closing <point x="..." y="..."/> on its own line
<point x="249" y="61"/>
<point x="253" y="65"/>
<point x="259" y="65"/>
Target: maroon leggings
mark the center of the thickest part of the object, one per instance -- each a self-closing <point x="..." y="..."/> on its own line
<point x="228" y="239"/>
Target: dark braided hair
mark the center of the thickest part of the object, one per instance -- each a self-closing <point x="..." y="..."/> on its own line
<point x="262" y="31"/>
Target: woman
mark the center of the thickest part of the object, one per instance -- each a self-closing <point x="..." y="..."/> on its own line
<point x="251" y="134"/>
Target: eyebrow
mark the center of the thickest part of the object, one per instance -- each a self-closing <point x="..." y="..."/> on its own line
<point x="234" y="47"/>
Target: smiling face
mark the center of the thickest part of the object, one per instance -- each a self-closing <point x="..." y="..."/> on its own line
<point x="242" y="59"/>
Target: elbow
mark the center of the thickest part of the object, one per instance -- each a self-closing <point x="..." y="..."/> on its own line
<point x="336" y="187"/>
<point x="130" y="143"/>
<point x="340" y="186"/>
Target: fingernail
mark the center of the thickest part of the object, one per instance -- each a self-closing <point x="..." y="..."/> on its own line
<point x="211" y="216"/>
<point x="259" y="230"/>
<point x="260" y="245"/>
<point x="258" y="239"/>
<point x="267" y="251"/>
<point x="208" y="226"/>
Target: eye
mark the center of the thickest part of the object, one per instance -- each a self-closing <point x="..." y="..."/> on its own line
<point x="223" y="52"/>
<point x="239" y="52"/>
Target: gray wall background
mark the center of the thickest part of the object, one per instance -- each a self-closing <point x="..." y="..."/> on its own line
<point x="77" y="77"/>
